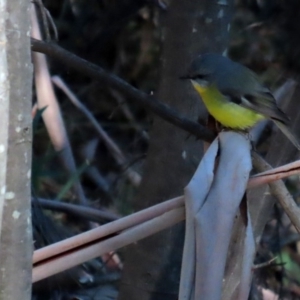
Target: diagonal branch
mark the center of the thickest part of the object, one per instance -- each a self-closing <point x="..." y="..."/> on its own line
<point x="279" y="190"/>
<point x="97" y="73"/>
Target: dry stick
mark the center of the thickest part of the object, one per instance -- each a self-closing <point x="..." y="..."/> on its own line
<point x="123" y="239"/>
<point x="277" y="173"/>
<point x="263" y="178"/>
<point x="106" y="78"/>
<point x="52" y="116"/>
<point x="124" y="223"/>
<point x="280" y="192"/>
<point x="133" y="176"/>
<point x="107" y="229"/>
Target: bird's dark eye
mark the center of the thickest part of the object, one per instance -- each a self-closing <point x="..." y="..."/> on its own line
<point x="250" y="98"/>
<point x="200" y="76"/>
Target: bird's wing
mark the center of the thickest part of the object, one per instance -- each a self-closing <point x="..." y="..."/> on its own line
<point x="261" y="101"/>
<point x="249" y="92"/>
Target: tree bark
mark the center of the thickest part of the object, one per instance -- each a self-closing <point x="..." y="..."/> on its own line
<point x="152" y="266"/>
<point x="15" y="150"/>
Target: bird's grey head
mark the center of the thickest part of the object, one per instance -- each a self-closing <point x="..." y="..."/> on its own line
<point x="203" y="68"/>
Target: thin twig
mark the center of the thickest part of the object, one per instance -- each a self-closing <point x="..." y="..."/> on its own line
<point x="52" y="23"/>
<point x="129" y="115"/>
<point x="45" y="17"/>
<point x="117" y="153"/>
<point x="42" y="9"/>
<point x="264" y="264"/>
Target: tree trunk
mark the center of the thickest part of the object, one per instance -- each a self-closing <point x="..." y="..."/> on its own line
<point x="152" y="266"/>
<point x="15" y="151"/>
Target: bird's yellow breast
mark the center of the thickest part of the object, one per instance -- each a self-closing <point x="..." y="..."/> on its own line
<point x="229" y="114"/>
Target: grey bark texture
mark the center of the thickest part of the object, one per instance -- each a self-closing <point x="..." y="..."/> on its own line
<point x="15" y="150"/>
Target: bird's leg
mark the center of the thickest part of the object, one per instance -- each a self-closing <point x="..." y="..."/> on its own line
<point x="214" y="125"/>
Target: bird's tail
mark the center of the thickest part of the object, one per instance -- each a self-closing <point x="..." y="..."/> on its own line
<point x="287" y="132"/>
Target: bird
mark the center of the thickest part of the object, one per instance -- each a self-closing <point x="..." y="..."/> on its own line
<point x="234" y="96"/>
